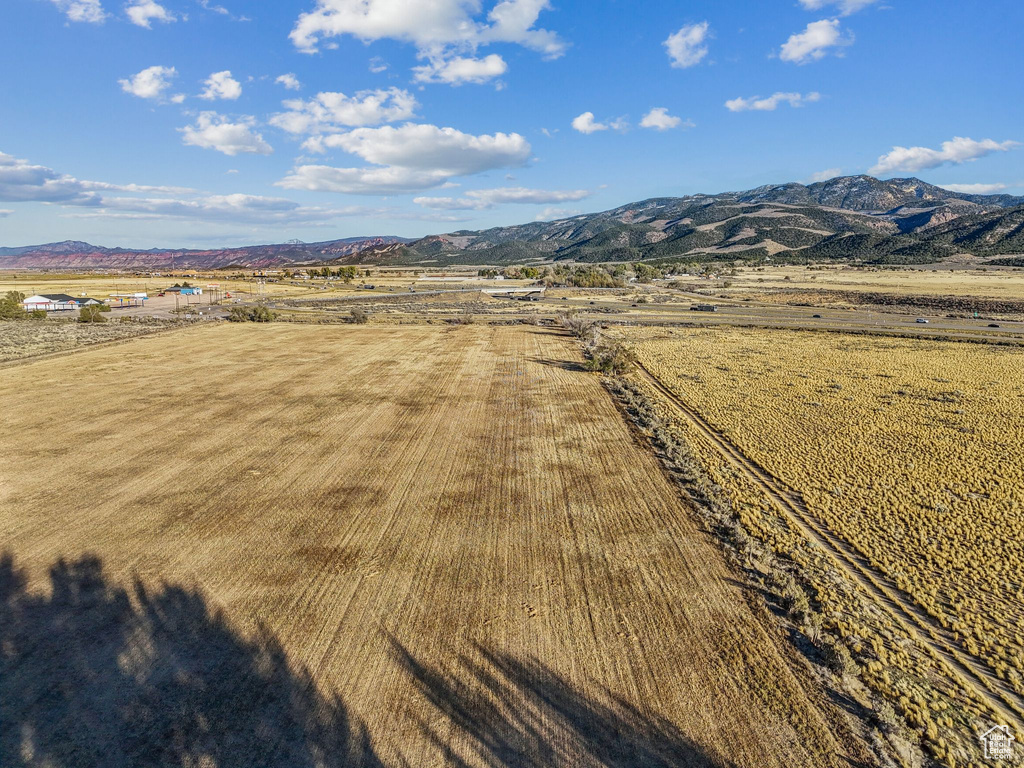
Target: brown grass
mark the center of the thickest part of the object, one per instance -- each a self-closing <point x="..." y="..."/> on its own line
<point x="373" y="544"/>
<point x="894" y="453"/>
<point x="28" y="338"/>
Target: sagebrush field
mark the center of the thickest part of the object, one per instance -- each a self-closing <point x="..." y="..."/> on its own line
<point x="903" y="459"/>
<point x="335" y="546"/>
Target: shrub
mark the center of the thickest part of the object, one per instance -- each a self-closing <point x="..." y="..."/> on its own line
<point x="259" y="314"/>
<point x="838" y="659"/>
<point x="91" y="314"/>
<point x="611" y="358"/>
<point x="37" y="314"/>
<point x="359" y="316"/>
<point x="578" y="326"/>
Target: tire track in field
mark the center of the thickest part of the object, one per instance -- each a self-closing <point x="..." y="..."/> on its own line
<point x="974" y="672"/>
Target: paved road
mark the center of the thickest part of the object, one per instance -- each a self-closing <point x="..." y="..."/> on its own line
<point x="775" y="316"/>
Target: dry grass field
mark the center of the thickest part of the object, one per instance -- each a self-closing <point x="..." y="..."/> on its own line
<point x="899" y="457"/>
<point x="993" y="283"/>
<point x="20" y="339"/>
<point x="332" y="546"/>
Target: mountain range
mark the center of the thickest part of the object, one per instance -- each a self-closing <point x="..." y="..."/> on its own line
<point x="78" y="255"/>
<point x="853" y="217"/>
<point x="848" y="218"/>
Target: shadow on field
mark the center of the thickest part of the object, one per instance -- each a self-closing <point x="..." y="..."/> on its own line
<point x="565" y="365"/>
<point x="95" y="674"/>
<point x="520" y="713"/>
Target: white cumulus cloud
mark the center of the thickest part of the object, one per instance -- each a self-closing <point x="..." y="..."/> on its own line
<point x="956" y="151"/>
<point x="328" y="112"/>
<point x="770" y="104"/>
<point x="209" y="6"/>
<point x="214" y="131"/>
<point x="461" y="69"/>
<point x="221" y="85"/>
<point x="408" y="158"/>
<point x="554" y="213"/>
<point x="586" y="123"/>
<point x="82" y="10"/>
<point x="430" y="147"/>
<point x="361" y="181"/>
<point x="21" y="181"/>
<point x="430" y="26"/>
<point x="238" y="208"/>
<point x="846" y="7"/>
<point x="660" y="120"/>
<point x="139" y="188"/>
<point x="976" y="189"/>
<point x="150" y="83"/>
<point x="828" y="173"/>
<point x="687" y="47"/>
<point x="144" y="12"/>
<point x="290" y="82"/>
<point x="814" y="42"/>
<point x="484" y="199"/>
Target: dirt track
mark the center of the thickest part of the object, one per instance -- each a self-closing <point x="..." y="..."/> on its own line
<point x="367" y="546"/>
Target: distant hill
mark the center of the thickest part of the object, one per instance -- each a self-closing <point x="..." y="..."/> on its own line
<point x="847" y="218"/>
<point x="866" y="193"/>
<point x="72" y="254"/>
<point x="854" y="217"/>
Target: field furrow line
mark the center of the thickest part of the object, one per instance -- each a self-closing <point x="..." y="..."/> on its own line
<point x="901" y="607"/>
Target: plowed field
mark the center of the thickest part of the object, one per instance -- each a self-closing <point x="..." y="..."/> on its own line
<point x="295" y="545"/>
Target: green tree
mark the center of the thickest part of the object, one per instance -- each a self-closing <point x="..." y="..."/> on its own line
<point x="11" y="307"/>
<point x="347" y="274"/>
<point x="91" y="314"/>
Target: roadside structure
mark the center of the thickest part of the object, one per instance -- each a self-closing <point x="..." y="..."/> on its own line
<point x="57" y="302"/>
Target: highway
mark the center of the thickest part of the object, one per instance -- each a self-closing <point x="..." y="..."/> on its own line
<point x="782" y="316"/>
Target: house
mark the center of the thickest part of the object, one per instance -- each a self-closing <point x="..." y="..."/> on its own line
<point x="998" y="743"/>
<point x="57" y="302"/>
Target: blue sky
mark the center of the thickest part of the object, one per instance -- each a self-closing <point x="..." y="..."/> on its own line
<point x="206" y="123"/>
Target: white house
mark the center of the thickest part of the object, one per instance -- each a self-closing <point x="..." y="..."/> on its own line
<point x="57" y="302"/>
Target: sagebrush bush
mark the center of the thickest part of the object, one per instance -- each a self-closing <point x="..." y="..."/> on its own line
<point x="610" y="357"/>
<point x="577" y="325"/>
<point x="257" y="314"/>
